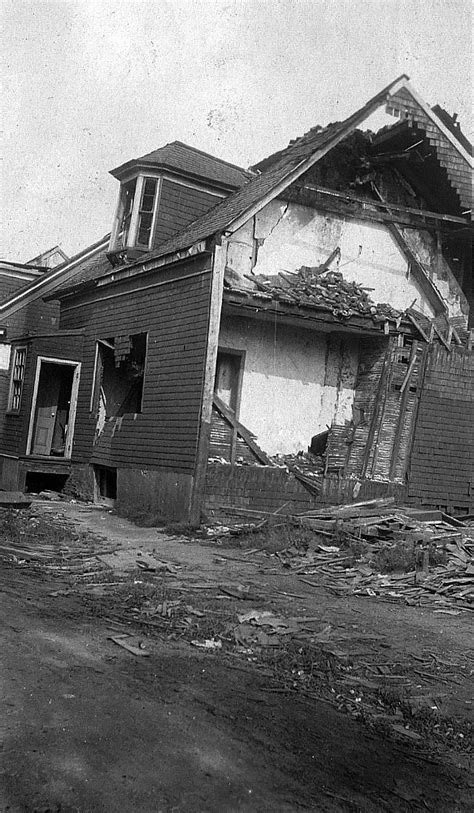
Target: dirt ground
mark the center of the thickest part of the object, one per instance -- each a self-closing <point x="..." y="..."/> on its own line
<point x="89" y="726"/>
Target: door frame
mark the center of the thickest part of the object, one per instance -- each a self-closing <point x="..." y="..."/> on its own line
<point x="73" y="406"/>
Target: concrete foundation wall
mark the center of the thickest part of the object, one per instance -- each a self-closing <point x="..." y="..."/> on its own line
<point x="295" y="382"/>
<point x="290" y="235"/>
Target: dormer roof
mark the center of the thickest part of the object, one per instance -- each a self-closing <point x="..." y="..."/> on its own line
<point x="182" y="159"/>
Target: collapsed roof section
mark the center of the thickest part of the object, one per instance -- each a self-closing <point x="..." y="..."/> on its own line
<point x="235" y="210"/>
<point x="326" y="290"/>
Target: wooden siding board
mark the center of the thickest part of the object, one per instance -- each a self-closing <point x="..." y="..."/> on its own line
<point x="178" y="207"/>
<point x="175" y="317"/>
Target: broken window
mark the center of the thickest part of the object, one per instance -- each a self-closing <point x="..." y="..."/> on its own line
<point x="126" y="205"/>
<point x="17" y="379"/>
<point x="146" y="212"/>
<point x="118" y="378"/>
<point x="228" y="376"/>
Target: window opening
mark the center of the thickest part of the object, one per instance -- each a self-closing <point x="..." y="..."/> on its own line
<point x="128" y="195"/>
<point x="106" y="482"/>
<point x="119" y="376"/>
<point x="146" y="211"/>
<point x="36" y="481"/>
<point x="17" y="379"/>
<point x="227" y="381"/>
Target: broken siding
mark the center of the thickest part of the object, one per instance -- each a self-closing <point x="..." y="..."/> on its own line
<point x="175" y="316"/>
<point x="442" y="464"/>
<point x="178" y="206"/>
<point x="295" y="381"/>
<point x="377" y="444"/>
<point x="222" y="441"/>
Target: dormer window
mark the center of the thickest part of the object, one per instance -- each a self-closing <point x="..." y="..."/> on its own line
<point x="146" y="212"/>
<point x="133" y="227"/>
<point x="162" y="192"/>
<point x="127" y="194"/>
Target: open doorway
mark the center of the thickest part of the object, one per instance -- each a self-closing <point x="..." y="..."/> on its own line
<point x="54" y="408"/>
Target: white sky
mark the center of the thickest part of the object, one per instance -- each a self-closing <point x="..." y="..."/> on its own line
<point x="89" y="84"/>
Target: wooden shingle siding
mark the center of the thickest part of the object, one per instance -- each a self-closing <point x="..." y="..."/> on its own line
<point x="442" y="465"/>
<point x="178" y="206"/>
<point x="458" y="170"/>
<point x="175" y="318"/>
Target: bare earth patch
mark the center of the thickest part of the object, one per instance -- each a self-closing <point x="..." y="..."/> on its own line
<point x="242" y="688"/>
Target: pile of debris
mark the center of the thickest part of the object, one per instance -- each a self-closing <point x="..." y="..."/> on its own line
<point x="45" y="541"/>
<point x="375" y="549"/>
<point x="318" y="287"/>
<point x="307" y="467"/>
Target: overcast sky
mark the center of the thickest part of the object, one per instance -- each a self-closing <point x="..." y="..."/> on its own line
<point x="89" y="84"/>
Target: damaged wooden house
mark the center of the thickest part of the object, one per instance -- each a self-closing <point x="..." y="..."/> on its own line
<point x="266" y="340"/>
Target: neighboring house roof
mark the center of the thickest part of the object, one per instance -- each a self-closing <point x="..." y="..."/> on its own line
<point x="190" y="161"/>
<point x="88" y="264"/>
<point x="289" y="165"/>
<point x="51" y="258"/>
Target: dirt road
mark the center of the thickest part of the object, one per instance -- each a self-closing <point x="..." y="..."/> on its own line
<point x="87" y="726"/>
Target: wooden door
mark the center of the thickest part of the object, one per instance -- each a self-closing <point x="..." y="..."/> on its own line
<point x="46" y="410"/>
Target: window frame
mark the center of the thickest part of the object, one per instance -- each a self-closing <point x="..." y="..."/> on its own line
<point x="77" y="365"/>
<point x="11" y="409"/>
<point x="141" y="211"/>
<point x="240" y="355"/>
<point x="121" y="241"/>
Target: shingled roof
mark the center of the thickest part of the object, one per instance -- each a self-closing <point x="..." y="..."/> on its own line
<point x="190" y="161"/>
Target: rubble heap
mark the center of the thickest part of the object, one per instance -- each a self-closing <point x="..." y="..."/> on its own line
<point x="430" y="561"/>
<point x="318" y="287"/>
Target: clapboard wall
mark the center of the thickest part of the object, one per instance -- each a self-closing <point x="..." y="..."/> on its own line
<point x="179" y="205"/>
<point x="15" y="425"/>
<point x="442" y="463"/>
<point x="172" y="307"/>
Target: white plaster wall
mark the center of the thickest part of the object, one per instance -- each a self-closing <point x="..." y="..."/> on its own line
<point x="423" y="245"/>
<point x="295" y="382"/>
<point x="292" y="235"/>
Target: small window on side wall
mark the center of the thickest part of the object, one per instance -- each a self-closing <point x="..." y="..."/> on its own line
<point x="228" y="377"/>
<point x="17" y="379"/>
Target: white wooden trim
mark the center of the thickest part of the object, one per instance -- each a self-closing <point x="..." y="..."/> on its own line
<point x="24" y="275"/>
<point x="156" y="204"/>
<point x="132" y="232"/>
<point x="73" y="402"/>
<point x="94" y="377"/>
<point x="72" y="411"/>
